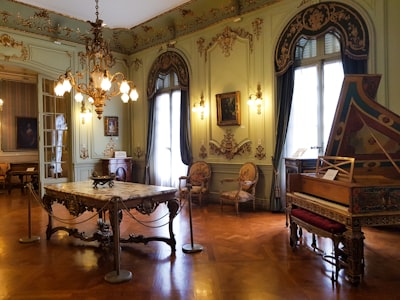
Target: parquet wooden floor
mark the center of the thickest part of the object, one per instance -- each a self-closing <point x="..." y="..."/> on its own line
<point x="244" y="257"/>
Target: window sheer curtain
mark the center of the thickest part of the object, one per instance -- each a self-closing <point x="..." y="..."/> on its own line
<point x="184" y="137"/>
<point x="354" y="58"/>
<point x="167" y="163"/>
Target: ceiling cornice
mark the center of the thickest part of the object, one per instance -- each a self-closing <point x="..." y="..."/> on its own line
<point x="187" y="18"/>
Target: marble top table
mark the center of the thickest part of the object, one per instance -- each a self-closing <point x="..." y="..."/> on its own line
<point x="79" y="197"/>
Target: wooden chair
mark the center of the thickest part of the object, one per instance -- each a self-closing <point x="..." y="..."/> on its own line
<point x="4" y="167"/>
<point x="246" y="187"/>
<point x="198" y="177"/>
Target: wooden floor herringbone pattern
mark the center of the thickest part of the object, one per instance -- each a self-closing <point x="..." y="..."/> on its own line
<point x="244" y="257"/>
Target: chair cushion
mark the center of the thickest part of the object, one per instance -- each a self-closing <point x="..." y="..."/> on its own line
<point x="318" y="221"/>
<point x="242" y="197"/>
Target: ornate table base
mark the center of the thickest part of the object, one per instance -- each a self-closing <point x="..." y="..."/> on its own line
<point x="79" y="197"/>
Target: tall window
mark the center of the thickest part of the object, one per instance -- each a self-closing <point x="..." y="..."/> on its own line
<point x="317" y="85"/>
<point x="167" y="162"/>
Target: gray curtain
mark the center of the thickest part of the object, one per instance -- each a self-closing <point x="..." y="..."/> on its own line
<point x="150" y="140"/>
<point x="285" y="85"/>
<point x="185" y="136"/>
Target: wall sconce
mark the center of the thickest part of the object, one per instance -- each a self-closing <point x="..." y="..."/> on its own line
<point x="1" y="104"/>
<point x="200" y="107"/>
<point x="256" y="99"/>
<point x="86" y="114"/>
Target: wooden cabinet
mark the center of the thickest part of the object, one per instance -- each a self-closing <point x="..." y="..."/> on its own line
<point x="121" y="167"/>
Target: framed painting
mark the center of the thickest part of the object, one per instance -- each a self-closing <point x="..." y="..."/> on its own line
<point x="27" y="133"/>
<point x="111" y="126"/>
<point x="228" y="109"/>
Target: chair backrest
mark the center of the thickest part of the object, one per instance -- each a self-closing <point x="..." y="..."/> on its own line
<point x="4" y="167"/>
<point x="248" y="176"/>
<point x="199" y="172"/>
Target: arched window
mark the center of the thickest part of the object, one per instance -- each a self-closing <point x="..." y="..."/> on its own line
<point x="312" y="22"/>
<point x="168" y="142"/>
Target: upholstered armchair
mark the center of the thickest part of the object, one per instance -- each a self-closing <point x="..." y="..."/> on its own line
<point x="245" y="187"/>
<point x="198" y="177"/>
<point x="4" y="167"/>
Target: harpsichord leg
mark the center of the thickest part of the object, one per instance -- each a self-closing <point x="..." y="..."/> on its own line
<point x="354" y="251"/>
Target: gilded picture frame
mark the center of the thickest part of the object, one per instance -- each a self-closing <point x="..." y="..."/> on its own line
<point x="111" y="126"/>
<point x="228" y="109"/>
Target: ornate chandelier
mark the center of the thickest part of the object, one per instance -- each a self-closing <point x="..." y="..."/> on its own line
<point x="102" y="85"/>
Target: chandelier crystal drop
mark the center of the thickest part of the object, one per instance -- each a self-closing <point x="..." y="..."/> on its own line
<point x="102" y="85"/>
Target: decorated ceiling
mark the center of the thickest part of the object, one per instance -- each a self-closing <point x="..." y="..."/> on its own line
<point x="187" y="18"/>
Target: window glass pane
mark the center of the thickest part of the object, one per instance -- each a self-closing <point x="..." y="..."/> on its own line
<point x="160" y="82"/>
<point x="303" y="124"/>
<point x="177" y="167"/>
<point x="333" y="79"/>
<point x="166" y="82"/>
<point x="332" y="44"/>
<point x="306" y="49"/>
<point x="176" y="81"/>
<point x="310" y="49"/>
<point x="162" y="141"/>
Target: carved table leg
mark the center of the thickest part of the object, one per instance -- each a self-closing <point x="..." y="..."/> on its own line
<point x="117" y="275"/>
<point x="173" y="207"/>
<point x="47" y="203"/>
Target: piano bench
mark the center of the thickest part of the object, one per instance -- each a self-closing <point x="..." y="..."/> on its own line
<point x="320" y="226"/>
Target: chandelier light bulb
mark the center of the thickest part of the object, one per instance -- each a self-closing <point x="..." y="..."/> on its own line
<point x="78" y="97"/>
<point x="125" y="98"/>
<point x="91" y="100"/>
<point x="134" y="95"/>
<point x="105" y="84"/>
<point x="59" y="89"/>
<point x="67" y="85"/>
<point x="124" y="88"/>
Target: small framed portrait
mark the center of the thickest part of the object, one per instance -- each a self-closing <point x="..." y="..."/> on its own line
<point x="27" y="133"/>
<point x="111" y="126"/>
<point x="228" y="109"/>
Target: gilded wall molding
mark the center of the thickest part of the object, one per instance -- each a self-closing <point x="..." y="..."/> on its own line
<point x="260" y="152"/>
<point x="318" y="19"/>
<point x="225" y="41"/>
<point x="203" y="152"/>
<point x="229" y="147"/>
<point x="11" y="49"/>
<point x="257" y="27"/>
<point x="137" y="63"/>
<point x="185" y="19"/>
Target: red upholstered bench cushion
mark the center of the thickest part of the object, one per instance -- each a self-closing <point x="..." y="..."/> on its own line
<point x="318" y="221"/>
